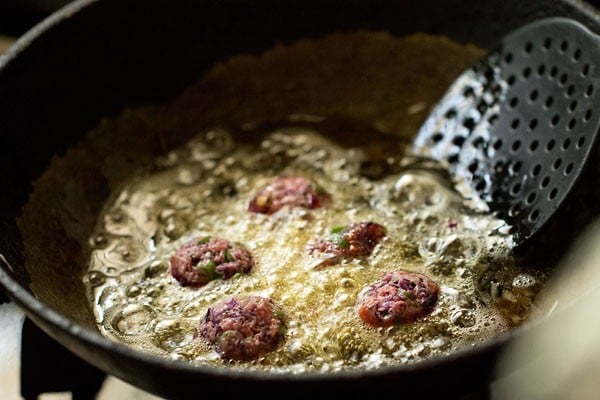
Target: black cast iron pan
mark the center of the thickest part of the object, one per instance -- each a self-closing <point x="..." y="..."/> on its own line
<point x="93" y="58"/>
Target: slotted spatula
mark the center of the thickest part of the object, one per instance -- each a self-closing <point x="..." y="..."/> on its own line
<point x="520" y="125"/>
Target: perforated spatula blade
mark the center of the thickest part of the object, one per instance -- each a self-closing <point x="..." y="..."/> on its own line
<point x="520" y="125"/>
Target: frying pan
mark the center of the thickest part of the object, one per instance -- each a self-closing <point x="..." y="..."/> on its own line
<point x="93" y="58"/>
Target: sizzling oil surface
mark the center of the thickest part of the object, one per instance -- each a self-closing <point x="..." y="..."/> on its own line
<point x="204" y="189"/>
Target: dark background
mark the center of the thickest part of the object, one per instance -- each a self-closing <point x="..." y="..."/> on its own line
<point x="17" y="16"/>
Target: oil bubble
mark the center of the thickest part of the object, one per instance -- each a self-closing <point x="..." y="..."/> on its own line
<point x="342" y="299"/>
<point x="99" y="241"/>
<point x="219" y="140"/>
<point x="168" y="160"/>
<point x="132" y="319"/>
<point x="432" y="220"/>
<point x="417" y="189"/>
<point x="347" y="282"/>
<point x="116" y="216"/>
<point x="429" y="248"/>
<point x="133" y="291"/>
<point x="400" y="352"/>
<point x="165" y="214"/>
<point x="123" y="252"/>
<point x="186" y="175"/>
<point x="463" y="318"/>
<point x="155" y="269"/>
<point x="439" y="342"/>
<point x="153" y="292"/>
<point x="175" y="228"/>
<point x="317" y="362"/>
<point x="94" y="278"/>
<point x="109" y="296"/>
<point x="192" y="309"/>
<point x="171" y="335"/>
<point x="456" y="246"/>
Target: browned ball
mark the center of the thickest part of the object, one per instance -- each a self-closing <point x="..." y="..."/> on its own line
<point x="243" y="328"/>
<point x="398" y="297"/>
<point x="352" y="241"/>
<point x="202" y="260"/>
<point x="287" y="191"/>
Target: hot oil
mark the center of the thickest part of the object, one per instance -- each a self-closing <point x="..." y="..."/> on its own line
<point x="203" y="189"/>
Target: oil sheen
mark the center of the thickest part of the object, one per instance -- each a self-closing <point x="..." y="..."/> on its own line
<point x="203" y="189"/>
